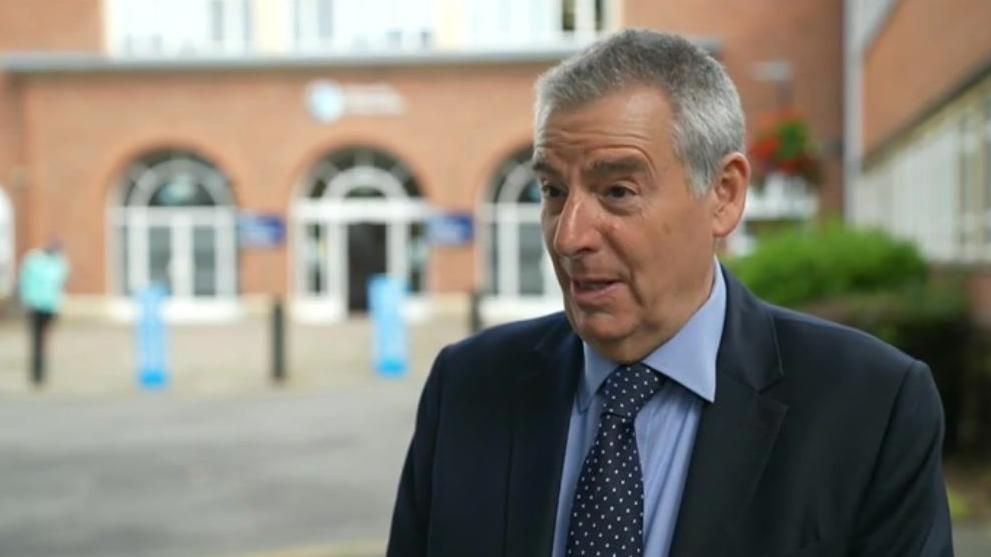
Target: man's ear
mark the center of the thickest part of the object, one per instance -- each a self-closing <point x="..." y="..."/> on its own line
<point x="729" y="194"/>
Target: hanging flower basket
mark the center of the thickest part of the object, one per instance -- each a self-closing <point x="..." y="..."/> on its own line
<point x="784" y="144"/>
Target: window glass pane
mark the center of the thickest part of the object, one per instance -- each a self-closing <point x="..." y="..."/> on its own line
<point x="217" y="21"/>
<point x="531" y="254"/>
<point x="297" y="23"/>
<point x="315" y="250"/>
<point x="317" y="189"/>
<point x="204" y="261"/>
<point x="419" y="254"/>
<point x="325" y="28"/>
<point x="492" y="280"/>
<point x="531" y="192"/>
<point x="365" y="192"/>
<point x="160" y="256"/>
<point x="567" y="15"/>
<point x="247" y="23"/>
<point x="123" y="260"/>
<point x="987" y="170"/>
<point x="182" y="191"/>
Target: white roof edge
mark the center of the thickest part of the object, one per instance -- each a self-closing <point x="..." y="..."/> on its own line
<point x="81" y="62"/>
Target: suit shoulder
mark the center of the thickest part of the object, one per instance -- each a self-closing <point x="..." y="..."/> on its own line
<point x="482" y="365"/>
<point x="804" y="336"/>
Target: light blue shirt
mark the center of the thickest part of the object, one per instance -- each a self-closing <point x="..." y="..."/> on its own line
<point x="665" y="426"/>
<point x="43" y="276"/>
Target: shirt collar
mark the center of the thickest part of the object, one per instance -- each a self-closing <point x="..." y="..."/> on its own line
<point x="688" y="358"/>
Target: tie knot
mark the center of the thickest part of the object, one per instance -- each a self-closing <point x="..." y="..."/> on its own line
<point x="628" y="388"/>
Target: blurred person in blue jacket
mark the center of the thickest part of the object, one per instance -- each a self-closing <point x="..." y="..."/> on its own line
<point x="42" y="280"/>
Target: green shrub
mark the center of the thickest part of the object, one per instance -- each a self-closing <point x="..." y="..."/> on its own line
<point x="807" y="264"/>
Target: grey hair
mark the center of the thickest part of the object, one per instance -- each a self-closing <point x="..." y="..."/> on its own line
<point x="708" y="119"/>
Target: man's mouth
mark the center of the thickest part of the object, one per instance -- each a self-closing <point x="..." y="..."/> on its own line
<point x="592" y="285"/>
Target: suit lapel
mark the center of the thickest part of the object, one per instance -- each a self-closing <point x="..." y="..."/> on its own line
<point x="736" y="432"/>
<point x="540" y="430"/>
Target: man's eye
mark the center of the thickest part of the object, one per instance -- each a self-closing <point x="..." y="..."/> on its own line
<point x="618" y="192"/>
<point x="550" y="191"/>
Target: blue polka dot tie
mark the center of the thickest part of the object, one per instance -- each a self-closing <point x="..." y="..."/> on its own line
<point x="607" y="513"/>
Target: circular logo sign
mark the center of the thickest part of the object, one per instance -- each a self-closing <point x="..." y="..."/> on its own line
<point x="325" y="100"/>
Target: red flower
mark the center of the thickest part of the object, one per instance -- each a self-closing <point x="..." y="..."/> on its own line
<point x="783" y="143"/>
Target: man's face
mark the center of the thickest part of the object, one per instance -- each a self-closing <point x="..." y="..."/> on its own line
<point x="632" y="247"/>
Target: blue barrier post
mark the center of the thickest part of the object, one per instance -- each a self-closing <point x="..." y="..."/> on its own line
<point x="385" y="297"/>
<point x="152" y="370"/>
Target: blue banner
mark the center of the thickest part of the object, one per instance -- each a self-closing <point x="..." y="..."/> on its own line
<point x="389" y="346"/>
<point x="152" y="369"/>
<point x="450" y="229"/>
<point x="256" y="230"/>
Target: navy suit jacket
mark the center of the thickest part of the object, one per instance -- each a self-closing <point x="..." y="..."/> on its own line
<point x="822" y="441"/>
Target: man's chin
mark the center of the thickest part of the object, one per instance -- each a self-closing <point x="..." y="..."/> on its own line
<point x="598" y="327"/>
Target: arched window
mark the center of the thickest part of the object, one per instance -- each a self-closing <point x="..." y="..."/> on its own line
<point x="517" y="264"/>
<point x="174" y="221"/>
<point x="361" y="214"/>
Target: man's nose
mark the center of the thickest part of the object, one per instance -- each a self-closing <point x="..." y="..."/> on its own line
<point x="576" y="230"/>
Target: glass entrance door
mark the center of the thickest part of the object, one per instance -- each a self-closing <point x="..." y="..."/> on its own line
<point x="366" y="257"/>
<point x="187" y="254"/>
<point x="205" y="279"/>
<point x="161" y="257"/>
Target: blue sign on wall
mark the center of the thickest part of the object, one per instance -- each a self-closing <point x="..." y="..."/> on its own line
<point x="258" y="230"/>
<point x="450" y="229"/>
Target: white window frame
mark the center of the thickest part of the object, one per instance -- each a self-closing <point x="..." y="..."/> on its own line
<point x="333" y="212"/>
<point x="8" y="258"/>
<point x="506" y="214"/>
<point x="137" y="216"/>
<point x="916" y="190"/>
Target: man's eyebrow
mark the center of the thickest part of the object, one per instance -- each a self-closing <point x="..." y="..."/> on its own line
<point x="624" y="165"/>
<point x="543" y="166"/>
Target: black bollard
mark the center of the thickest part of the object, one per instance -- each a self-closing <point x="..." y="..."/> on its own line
<point x="278" y="341"/>
<point x="474" y="311"/>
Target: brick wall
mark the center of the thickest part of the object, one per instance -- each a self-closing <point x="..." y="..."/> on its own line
<point x="923" y="50"/>
<point x="51" y="25"/>
<point x="86" y="128"/>
<point x="82" y="129"/>
<point x="808" y="35"/>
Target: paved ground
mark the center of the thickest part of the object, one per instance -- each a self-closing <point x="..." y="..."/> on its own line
<point x="164" y="476"/>
<point x="90" y="358"/>
<point x="221" y="464"/>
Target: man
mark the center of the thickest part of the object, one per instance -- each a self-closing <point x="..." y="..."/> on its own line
<point x="668" y="412"/>
<point x="43" y="276"/>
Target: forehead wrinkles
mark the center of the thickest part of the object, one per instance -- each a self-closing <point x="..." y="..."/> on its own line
<point x="598" y="158"/>
<point x="587" y="145"/>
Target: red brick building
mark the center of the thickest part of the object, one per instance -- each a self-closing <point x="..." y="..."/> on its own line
<point x="921" y="72"/>
<point x="143" y="143"/>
